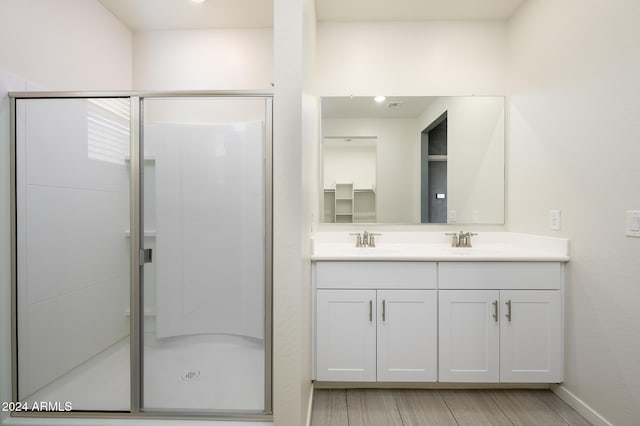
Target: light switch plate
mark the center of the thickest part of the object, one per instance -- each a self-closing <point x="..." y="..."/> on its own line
<point x="632" y="223"/>
<point x="554" y="220"/>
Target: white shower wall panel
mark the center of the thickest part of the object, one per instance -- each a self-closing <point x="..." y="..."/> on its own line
<point x="210" y="227"/>
<point x="74" y="240"/>
<point x="57" y="152"/>
<point x="73" y="272"/>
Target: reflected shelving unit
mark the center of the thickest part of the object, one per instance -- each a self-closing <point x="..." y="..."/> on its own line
<point x="346" y="204"/>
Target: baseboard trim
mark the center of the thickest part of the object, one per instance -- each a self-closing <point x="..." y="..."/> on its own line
<point x="580" y="406"/>
<point x="310" y="406"/>
<point x="427" y="385"/>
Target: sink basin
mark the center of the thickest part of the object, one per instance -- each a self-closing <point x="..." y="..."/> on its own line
<point x="367" y="251"/>
<point x="482" y="247"/>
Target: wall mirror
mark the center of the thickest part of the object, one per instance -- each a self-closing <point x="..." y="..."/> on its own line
<point x="411" y="160"/>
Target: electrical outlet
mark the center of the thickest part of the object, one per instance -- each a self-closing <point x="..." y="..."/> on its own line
<point x="474" y="216"/>
<point x="632" y="222"/>
<point x="554" y="220"/>
<point x="453" y="216"/>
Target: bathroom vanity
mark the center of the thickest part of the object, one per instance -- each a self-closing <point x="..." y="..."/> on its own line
<point x="414" y="309"/>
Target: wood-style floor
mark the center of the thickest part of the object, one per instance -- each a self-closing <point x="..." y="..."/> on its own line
<point x="409" y="407"/>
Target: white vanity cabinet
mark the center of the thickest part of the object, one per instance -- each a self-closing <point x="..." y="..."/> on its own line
<point x="468" y="336"/>
<point x="376" y="321"/>
<point x="407" y="336"/>
<point x="446" y="321"/>
<point x="346" y="335"/>
<point x="500" y="322"/>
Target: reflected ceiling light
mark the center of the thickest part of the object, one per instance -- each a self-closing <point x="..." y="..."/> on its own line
<point x="379" y="98"/>
<point x="198" y="1"/>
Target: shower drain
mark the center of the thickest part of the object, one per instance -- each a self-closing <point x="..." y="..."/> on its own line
<point x="190" y="375"/>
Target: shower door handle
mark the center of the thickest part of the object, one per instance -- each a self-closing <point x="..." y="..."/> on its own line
<point x="146" y="256"/>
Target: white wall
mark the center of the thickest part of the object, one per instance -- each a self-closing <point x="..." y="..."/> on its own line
<point x="574" y="145"/>
<point x="295" y="173"/>
<point x="310" y="179"/>
<point x="217" y="59"/>
<point x="397" y="168"/>
<point x="419" y="58"/>
<point x="65" y="44"/>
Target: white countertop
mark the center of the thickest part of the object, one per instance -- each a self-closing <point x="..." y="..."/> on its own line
<point x="436" y="246"/>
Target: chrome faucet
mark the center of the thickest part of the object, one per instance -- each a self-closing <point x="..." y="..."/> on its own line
<point x="462" y="239"/>
<point x="366" y="239"/>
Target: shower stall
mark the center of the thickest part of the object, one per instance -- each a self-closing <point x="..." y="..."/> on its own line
<point x="141" y="241"/>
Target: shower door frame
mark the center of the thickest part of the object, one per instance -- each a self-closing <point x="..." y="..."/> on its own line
<point x="136" y="192"/>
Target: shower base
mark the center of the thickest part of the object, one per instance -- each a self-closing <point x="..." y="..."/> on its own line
<point x="181" y="374"/>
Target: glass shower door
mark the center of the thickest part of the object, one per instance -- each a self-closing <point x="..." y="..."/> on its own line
<point x="72" y="253"/>
<point x="205" y="215"/>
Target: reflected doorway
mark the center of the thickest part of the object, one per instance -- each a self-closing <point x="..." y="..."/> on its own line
<point x="433" y="172"/>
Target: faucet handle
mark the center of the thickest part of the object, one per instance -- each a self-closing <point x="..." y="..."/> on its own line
<point x="358" y="238"/>
<point x="372" y="241"/>
<point x="454" y="239"/>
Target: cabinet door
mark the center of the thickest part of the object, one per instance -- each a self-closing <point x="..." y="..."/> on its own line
<point x="407" y="335"/>
<point x="469" y="336"/>
<point x="346" y="335"/>
<point x="531" y="336"/>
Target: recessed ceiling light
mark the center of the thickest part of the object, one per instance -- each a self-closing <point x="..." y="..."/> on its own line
<point x="379" y="98"/>
<point x="198" y="1"/>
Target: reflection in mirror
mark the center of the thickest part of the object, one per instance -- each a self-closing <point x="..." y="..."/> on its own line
<point x="349" y="173"/>
<point x="433" y="172"/>
<point x="430" y="160"/>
